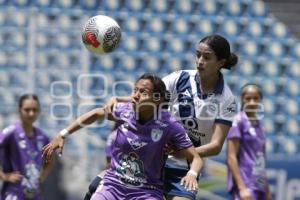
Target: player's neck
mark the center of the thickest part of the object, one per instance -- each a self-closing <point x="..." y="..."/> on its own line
<point x="28" y="128"/>
<point x="208" y="84"/>
<point x="145" y="116"/>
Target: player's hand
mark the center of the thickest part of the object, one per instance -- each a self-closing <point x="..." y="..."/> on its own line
<point x="190" y="182"/>
<point x="245" y="194"/>
<point x="109" y="105"/>
<point x="269" y="195"/>
<point x="13" y="177"/>
<point x="56" y="144"/>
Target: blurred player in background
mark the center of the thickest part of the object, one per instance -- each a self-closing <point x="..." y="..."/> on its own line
<point x="22" y="169"/>
<point x="143" y="130"/>
<point x="204" y="104"/>
<point x="246" y="150"/>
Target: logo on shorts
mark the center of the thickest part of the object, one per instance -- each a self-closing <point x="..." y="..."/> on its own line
<point x="156" y="134"/>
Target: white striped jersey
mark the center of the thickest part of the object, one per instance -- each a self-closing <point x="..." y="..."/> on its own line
<point x="198" y="112"/>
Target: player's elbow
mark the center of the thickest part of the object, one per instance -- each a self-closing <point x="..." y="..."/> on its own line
<point x="217" y="149"/>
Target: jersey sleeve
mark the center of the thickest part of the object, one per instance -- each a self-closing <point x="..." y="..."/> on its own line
<point x="120" y="109"/>
<point x="6" y="134"/>
<point x="228" y="110"/>
<point x="178" y="136"/>
<point x="171" y="81"/>
<point x="235" y="130"/>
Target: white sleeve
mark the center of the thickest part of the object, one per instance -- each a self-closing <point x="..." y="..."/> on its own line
<point x="228" y="110"/>
<point x="171" y="81"/>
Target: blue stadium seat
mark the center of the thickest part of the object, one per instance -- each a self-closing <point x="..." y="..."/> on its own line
<point x="279" y="30"/>
<point x="269" y="87"/>
<point x="184" y="7"/>
<point x="152" y="44"/>
<point x="21" y="2"/>
<point x="155" y="24"/>
<point x="3" y="60"/>
<point x="233" y="8"/>
<point x="270" y="68"/>
<point x="159" y="6"/>
<point x="246" y="68"/>
<point x="258" y="9"/>
<point x="293" y="89"/>
<point x="292" y="107"/>
<point x="270" y="147"/>
<point x="294" y="69"/>
<point x="135" y="5"/>
<point x="150" y="64"/>
<point x="250" y="48"/>
<point x="255" y="28"/>
<point x="296" y="50"/>
<point x="181" y="26"/>
<point x="268" y="105"/>
<point x="268" y="125"/>
<point x="230" y="28"/>
<point x="4" y="78"/>
<point x="43" y="3"/>
<point x="65" y="3"/>
<point x="89" y="4"/>
<point x="209" y="7"/>
<point x="132" y="24"/>
<point x="111" y="5"/>
<point x="275" y="49"/>
<point x="205" y="26"/>
<point x="292" y="127"/>
<point x="20" y="19"/>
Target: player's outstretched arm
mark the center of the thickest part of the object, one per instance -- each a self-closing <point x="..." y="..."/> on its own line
<point x="190" y="180"/>
<point x="58" y="142"/>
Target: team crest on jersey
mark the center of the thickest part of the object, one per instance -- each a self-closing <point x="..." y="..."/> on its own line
<point x="131" y="170"/>
<point x="156" y="134"/>
<point x="135" y="143"/>
<point x="22" y="144"/>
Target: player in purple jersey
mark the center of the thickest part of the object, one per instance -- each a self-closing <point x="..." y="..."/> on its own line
<point x="247" y="178"/>
<point x="205" y="105"/>
<point x="23" y="169"/>
<point x="144" y="127"/>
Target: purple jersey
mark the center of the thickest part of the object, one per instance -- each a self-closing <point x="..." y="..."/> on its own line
<point x="22" y="154"/>
<point x="251" y="155"/>
<point x="138" y="150"/>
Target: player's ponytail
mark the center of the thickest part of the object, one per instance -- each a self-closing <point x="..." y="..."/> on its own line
<point x="221" y="48"/>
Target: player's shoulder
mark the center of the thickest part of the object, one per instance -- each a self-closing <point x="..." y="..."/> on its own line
<point x="238" y="119"/>
<point x="9" y="129"/>
<point x="41" y="133"/>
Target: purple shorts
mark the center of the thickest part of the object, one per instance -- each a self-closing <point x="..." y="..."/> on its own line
<point x="112" y="191"/>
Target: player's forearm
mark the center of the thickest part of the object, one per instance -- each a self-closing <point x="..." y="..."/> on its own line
<point x="197" y="164"/>
<point x="86" y="119"/>
<point x="123" y="99"/>
<point x="234" y="168"/>
<point x="47" y="168"/>
<point x="2" y="174"/>
<point x="210" y="149"/>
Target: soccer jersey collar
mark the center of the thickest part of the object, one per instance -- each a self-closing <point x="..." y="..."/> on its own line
<point x="219" y="87"/>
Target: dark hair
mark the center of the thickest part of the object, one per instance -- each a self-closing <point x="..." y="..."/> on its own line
<point x="159" y="86"/>
<point x="28" y="96"/>
<point x="257" y="87"/>
<point x="221" y="48"/>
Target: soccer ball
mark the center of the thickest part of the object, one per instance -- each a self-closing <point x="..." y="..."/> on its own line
<point x="101" y="34"/>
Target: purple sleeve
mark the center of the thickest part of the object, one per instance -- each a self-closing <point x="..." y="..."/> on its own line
<point x="235" y="130"/>
<point x="6" y="134"/>
<point x="109" y="143"/>
<point x="178" y="136"/>
<point x="120" y="108"/>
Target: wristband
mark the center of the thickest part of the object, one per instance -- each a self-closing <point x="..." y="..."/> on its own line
<point x="64" y="133"/>
<point x="193" y="172"/>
